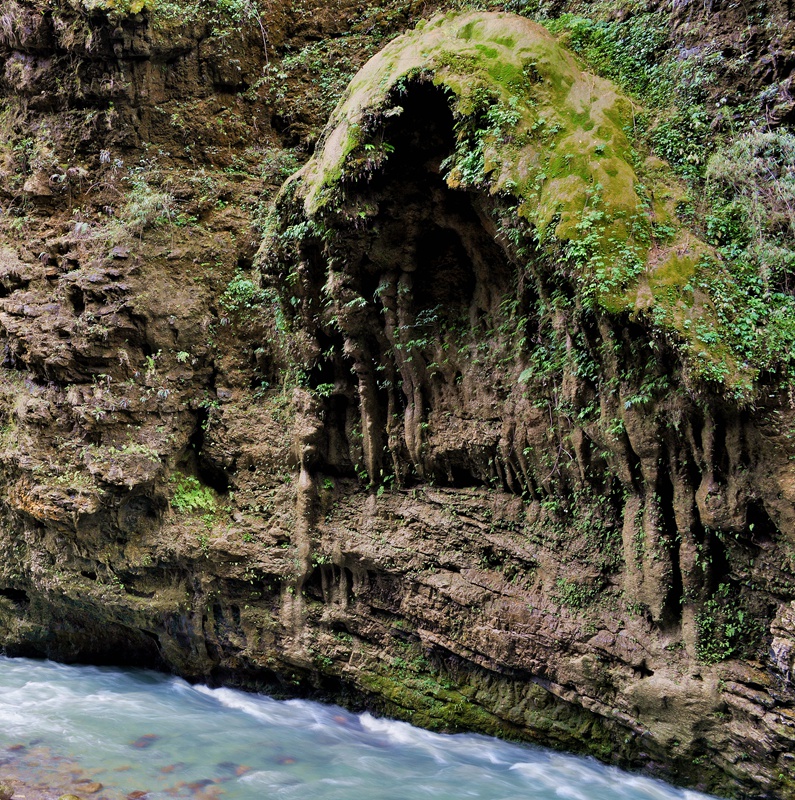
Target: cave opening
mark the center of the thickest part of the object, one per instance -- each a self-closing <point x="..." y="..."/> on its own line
<point x="17" y="596"/>
<point x="195" y="461"/>
<point x="759" y="525"/>
<point x="77" y="299"/>
<point x="445" y="277"/>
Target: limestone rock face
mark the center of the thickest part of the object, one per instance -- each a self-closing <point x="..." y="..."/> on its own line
<point x="448" y="423"/>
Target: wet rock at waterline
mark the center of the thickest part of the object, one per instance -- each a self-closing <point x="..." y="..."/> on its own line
<point x="294" y="749"/>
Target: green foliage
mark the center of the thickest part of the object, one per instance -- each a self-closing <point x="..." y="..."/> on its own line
<point x="750" y="217"/>
<point x="146" y="206"/>
<point x="191" y="496"/>
<point x="27" y="144"/>
<point x="324" y="390"/>
<point x="242" y="295"/>
<point x="603" y="272"/>
<point x="725" y="628"/>
<point x="682" y="137"/>
<point x="331" y="64"/>
<point x="629" y="52"/>
<point x="751" y="185"/>
<point x="118" y="7"/>
<point x="510" y="90"/>
<point x="224" y="17"/>
<point x="574" y="595"/>
<point x="148" y="203"/>
<point x="637" y="55"/>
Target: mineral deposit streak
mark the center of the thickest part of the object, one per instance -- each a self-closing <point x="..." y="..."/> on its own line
<point x="110" y="733"/>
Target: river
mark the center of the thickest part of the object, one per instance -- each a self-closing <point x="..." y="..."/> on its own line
<point x="110" y="733"/>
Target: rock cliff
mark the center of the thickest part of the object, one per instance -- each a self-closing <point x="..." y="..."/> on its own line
<point x="481" y="418"/>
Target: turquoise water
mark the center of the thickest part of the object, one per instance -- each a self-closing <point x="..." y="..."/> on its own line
<point x="135" y="731"/>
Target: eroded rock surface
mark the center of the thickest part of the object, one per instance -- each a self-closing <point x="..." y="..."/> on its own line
<point x="429" y="455"/>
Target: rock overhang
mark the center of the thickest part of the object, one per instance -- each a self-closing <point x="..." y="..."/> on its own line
<point x="556" y="145"/>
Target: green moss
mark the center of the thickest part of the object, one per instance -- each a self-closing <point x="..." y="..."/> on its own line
<point x="119" y="7"/>
<point x="505" y="41"/>
<point x="533" y="127"/>
<point x="549" y="87"/>
<point x="431" y="705"/>
<point x="437" y="701"/>
<point x="467" y="31"/>
<point x="486" y="52"/>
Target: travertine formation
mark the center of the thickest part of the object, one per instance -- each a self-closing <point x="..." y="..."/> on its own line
<point x="446" y="432"/>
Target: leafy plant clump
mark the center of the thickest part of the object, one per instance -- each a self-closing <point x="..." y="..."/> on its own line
<point x="725" y="628"/>
<point x="575" y="595"/>
<point x="751" y="187"/>
<point x="750" y="218"/>
<point x="242" y="295"/>
<point x="191" y="496"/>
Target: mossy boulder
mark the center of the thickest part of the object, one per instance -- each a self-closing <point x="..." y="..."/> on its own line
<point x="554" y="142"/>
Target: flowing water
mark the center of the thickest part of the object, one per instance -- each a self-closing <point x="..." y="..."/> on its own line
<point x="74" y="728"/>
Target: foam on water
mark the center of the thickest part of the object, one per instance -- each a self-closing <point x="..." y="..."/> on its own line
<point x="138" y="731"/>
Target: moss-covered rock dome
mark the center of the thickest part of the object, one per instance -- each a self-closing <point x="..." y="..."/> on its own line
<point x="532" y="127"/>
